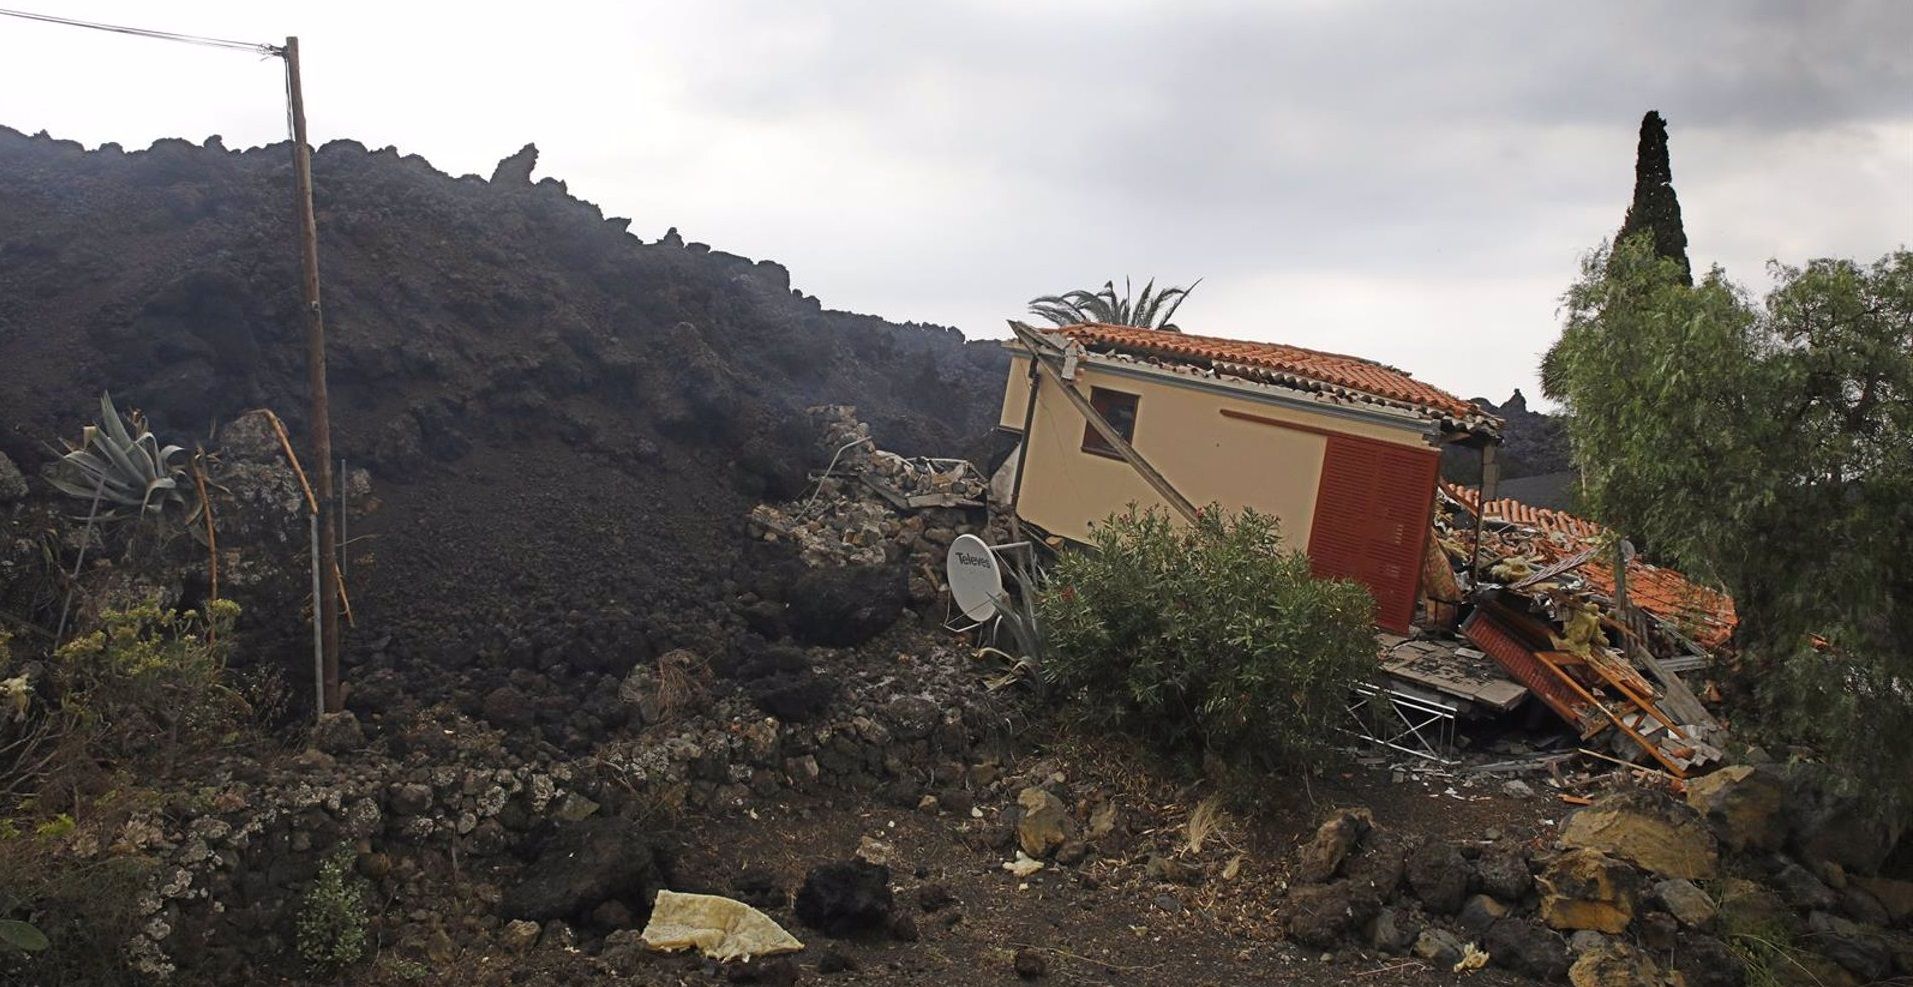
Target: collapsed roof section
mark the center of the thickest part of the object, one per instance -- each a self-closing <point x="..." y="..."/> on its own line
<point x="1549" y="539"/>
<point x="1328" y="377"/>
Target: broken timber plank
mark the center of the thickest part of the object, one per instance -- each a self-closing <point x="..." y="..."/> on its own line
<point x="1161" y="484"/>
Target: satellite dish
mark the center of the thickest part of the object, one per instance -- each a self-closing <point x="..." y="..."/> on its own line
<point x="976" y="580"/>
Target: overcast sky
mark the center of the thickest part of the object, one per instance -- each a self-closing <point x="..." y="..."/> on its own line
<point x="1411" y="182"/>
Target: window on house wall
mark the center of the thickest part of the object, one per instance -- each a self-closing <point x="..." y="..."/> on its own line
<point x="1119" y="410"/>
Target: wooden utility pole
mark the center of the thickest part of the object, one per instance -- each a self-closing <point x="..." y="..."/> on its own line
<point x="325" y="605"/>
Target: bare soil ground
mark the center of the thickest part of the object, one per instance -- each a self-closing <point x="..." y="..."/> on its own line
<point x="1103" y="921"/>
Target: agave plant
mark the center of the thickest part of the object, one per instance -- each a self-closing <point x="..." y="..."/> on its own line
<point x="132" y="473"/>
<point x="1150" y="310"/>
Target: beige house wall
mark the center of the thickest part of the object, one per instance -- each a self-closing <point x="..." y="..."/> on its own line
<point x="1180" y="429"/>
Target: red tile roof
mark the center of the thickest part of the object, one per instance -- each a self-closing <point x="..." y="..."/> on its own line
<point x="1291" y="366"/>
<point x="1705" y="614"/>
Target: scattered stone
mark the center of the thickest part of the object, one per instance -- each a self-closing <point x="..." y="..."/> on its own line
<point x="574" y="808"/>
<point x="1102" y="820"/>
<point x="1169" y="903"/>
<point x="1615" y="964"/>
<point x="1587" y="889"/>
<point x="1072" y="852"/>
<point x="336" y="733"/>
<point x="1801" y="889"/>
<point x="1387" y="932"/>
<point x="1322" y="856"/>
<point x="1440" y="948"/>
<point x="411" y="799"/>
<point x="1504" y="874"/>
<point x="1893" y="895"/>
<point x="1585" y="939"/>
<point x="519" y="936"/>
<point x="1686" y="902"/>
<point x="1517" y="788"/>
<point x="1862" y="907"/>
<point x="1438" y="873"/>
<point x="1658" y="931"/>
<point x="1826" y="823"/>
<point x="1859" y="950"/>
<point x="1527" y="947"/>
<point x="1478" y="914"/>
<point x="929" y="805"/>
<point x="1031" y="964"/>
<point x="874" y="851"/>
<point x="1044" y="823"/>
<point x="1704" y="961"/>
<point x="1320" y="915"/>
<point x="903" y="928"/>
<point x="845" y="898"/>
<point x="1651" y="830"/>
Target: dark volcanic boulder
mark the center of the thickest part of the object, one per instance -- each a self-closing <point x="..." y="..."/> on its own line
<point x="584" y="866"/>
<point x="846" y="898"/>
<point x="1528" y="948"/>
<point x="842" y="608"/>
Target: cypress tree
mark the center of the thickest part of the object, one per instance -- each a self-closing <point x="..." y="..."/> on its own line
<point x="1656" y="209"/>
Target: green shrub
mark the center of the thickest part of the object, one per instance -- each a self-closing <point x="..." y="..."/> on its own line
<point x="332" y="915"/>
<point x="150" y="681"/>
<point x="1207" y="639"/>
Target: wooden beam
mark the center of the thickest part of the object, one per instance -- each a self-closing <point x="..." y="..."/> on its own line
<point x="1156" y="480"/>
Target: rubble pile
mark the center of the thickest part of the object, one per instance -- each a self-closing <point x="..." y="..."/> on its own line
<point x="1605" y="654"/>
<point x="1639" y="886"/>
<point x="873" y="507"/>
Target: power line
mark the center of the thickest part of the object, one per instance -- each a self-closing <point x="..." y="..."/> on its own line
<point x="140" y="32"/>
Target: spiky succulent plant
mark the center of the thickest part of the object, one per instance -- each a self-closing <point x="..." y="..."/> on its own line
<point x="131" y="475"/>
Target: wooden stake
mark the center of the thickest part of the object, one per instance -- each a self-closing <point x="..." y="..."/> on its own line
<point x="325" y="608"/>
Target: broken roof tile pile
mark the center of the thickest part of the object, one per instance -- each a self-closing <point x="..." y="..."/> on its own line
<point x="1699" y="612"/>
<point x="1545" y="610"/>
<point x="1328" y="376"/>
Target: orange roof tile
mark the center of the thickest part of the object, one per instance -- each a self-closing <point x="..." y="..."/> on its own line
<point x="1705" y="614"/>
<point x="1291" y="366"/>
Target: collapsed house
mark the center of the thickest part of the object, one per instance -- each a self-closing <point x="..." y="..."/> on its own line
<point x="1482" y="608"/>
<point x="1343" y="452"/>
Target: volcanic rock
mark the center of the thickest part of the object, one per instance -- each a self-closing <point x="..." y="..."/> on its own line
<point x="1615" y="964"/>
<point x="1321" y="858"/>
<point x="583" y="866"/>
<point x="1439" y="875"/>
<point x="842" y="608"/>
<point x="1587" y="889"/>
<point x="1527" y="947"/>
<point x="1686" y="902"/>
<point x="1044" y="823"/>
<point x="845" y="899"/>
<point x="1744" y="804"/>
<point x="1649" y="829"/>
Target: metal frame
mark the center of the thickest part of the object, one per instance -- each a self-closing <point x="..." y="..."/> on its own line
<point x="1427" y="725"/>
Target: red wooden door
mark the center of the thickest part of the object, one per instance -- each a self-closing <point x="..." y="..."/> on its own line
<point x="1372" y="513"/>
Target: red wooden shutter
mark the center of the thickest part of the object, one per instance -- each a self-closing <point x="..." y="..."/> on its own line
<point x="1372" y="513"/>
